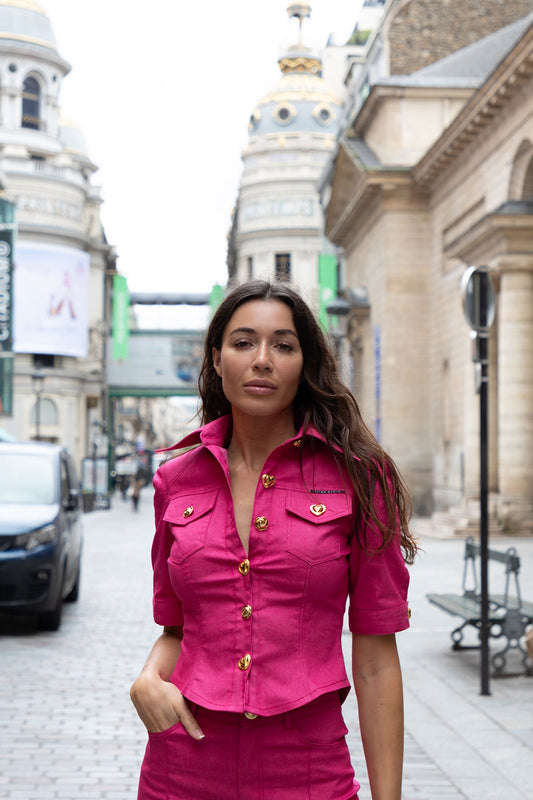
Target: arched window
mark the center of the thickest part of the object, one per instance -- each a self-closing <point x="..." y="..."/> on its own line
<point x="48" y="414"/>
<point x="31" y="104"/>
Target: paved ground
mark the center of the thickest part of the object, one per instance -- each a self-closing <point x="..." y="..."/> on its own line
<point x="68" y="730"/>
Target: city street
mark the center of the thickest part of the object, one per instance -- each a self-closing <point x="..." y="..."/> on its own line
<point x="68" y="729"/>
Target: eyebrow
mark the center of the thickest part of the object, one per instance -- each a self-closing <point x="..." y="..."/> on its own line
<point x="279" y="332"/>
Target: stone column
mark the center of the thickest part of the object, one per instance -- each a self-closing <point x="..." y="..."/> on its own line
<point x="515" y="393"/>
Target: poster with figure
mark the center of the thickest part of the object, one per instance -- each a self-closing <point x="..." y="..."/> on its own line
<point x="51" y="300"/>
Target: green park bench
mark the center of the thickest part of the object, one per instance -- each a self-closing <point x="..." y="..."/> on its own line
<point x="508" y="615"/>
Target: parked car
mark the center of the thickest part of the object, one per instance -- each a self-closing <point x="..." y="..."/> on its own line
<point x="40" y="530"/>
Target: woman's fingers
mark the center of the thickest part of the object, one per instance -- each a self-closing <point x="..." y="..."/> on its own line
<point x="188" y="721"/>
<point x="160" y="705"/>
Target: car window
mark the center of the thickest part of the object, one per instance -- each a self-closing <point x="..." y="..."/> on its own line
<point x="27" y="478"/>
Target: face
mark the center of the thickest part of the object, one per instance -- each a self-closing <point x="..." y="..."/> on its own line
<point x="260" y="361"/>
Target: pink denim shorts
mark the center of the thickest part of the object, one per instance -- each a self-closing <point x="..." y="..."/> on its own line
<point x="299" y="755"/>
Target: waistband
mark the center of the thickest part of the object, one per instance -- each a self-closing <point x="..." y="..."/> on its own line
<point x="316" y="707"/>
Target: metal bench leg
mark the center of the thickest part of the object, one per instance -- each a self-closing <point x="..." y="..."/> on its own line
<point x="457" y="637"/>
<point x="513" y="628"/>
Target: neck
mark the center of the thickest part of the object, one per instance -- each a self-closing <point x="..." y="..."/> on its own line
<point x="254" y="438"/>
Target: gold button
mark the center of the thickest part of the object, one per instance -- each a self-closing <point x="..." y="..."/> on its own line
<point x="245" y="662"/>
<point x="268" y="481"/>
<point x="317" y="509"/>
<point x="261" y="523"/>
<point x="244" y="567"/>
<point x="249" y="715"/>
<point x="188" y="511"/>
<point x="297" y="443"/>
<point x="246" y="612"/>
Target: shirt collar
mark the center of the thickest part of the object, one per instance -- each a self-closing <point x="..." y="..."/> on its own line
<point x="216" y="433"/>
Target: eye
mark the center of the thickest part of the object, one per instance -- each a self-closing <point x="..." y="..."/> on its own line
<point x="285" y="347"/>
<point x="242" y="344"/>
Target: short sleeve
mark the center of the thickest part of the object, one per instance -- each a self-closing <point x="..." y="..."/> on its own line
<point x="166" y="605"/>
<point x="379" y="581"/>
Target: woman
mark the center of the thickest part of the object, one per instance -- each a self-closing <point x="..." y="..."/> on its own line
<point x="285" y="507"/>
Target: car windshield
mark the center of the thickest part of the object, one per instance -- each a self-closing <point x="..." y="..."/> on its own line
<point x="27" y="478"/>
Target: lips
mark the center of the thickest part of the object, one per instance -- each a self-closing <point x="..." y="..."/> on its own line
<point x="260" y="386"/>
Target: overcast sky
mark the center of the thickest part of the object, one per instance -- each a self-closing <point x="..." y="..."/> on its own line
<point x="163" y="91"/>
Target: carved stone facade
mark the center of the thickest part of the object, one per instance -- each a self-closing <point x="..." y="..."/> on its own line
<point x="433" y="177"/>
<point x="46" y="173"/>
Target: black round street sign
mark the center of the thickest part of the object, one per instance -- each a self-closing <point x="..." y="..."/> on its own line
<point x="479" y="299"/>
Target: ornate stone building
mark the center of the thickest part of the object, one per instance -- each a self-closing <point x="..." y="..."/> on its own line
<point x="435" y="173"/>
<point x="63" y="263"/>
<point x="277" y="229"/>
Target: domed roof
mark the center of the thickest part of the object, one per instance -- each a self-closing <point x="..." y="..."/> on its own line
<point x="301" y="100"/>
<point x="25" y="22"/>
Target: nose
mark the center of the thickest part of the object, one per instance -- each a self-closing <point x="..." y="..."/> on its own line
<point x="263" y="360"/>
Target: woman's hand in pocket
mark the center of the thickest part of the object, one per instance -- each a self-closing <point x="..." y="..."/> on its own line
<point x="161" y="705"/>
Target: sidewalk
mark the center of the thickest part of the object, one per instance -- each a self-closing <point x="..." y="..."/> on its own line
<point x="68" y="730"/>
<point x="459" y="744"/>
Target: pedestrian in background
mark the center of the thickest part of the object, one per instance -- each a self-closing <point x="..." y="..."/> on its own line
<point x="137" y="483"/>
<point x="283" y="506"/>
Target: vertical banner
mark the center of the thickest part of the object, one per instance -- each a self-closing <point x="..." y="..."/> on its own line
<point x="327" y="281"/>
<point x="121" y="319"/>
<point x="7" y="235"/>
<point x="215" y="298"/>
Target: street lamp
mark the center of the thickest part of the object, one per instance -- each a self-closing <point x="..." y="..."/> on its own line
<point x="38" y="382"/>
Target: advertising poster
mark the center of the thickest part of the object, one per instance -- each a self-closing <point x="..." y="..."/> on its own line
<point x="166" y="361"/>
<point x="51" y="300"/>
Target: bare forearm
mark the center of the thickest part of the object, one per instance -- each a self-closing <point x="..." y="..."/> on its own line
<point x="378" y="685"/>
<point x="164" y="654"/>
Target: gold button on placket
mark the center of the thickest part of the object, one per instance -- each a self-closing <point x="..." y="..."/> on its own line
<point x="244" y="567"/>
<point x="246" y="612"/>
<point x="268" y="481"/>
<point x="261" y="523"/>
<point x="245" y="661"/>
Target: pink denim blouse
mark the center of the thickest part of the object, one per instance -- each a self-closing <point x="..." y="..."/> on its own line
<point x="262" y="632"/>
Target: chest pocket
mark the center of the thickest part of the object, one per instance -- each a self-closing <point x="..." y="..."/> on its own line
<point x="319" y="526"/>
<point x="189" y="517"/>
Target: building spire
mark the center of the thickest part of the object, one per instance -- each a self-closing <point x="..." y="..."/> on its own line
<point x="301" y="11"/>
<point x="299" y="57"/>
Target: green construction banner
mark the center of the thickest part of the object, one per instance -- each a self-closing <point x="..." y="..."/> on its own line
<point x="327" y="280"/>
<point x="215" y="298"/>
<point x="7" y="239"/>
<point x="121" y="318"/>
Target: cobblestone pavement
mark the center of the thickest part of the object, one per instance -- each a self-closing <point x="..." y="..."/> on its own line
<point x="68" y="730"/>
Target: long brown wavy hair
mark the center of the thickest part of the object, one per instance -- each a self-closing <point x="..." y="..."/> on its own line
<point x="324" y="402"/>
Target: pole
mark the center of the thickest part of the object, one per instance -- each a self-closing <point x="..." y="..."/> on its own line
<point x="483" y="509"/>
<point x="38" y="415"/>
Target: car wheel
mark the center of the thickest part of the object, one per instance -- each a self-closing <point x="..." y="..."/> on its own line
<point x="74" y="593"/>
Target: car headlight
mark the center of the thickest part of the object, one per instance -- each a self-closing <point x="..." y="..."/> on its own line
<point x="31" y="540"/>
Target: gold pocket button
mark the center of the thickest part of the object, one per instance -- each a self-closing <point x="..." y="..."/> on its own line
<point x="245" y="662"/>
<point x="244" y="567"/>
<point x="249" y="715"/>
<point x="261" y="523"/>
<point x="246" y="612"/>
<point x="188" y="511"/>
<point x="317" y="509"/>
<point x="268" y="481"/>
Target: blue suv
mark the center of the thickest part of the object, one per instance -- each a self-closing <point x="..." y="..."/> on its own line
<point x="40" y="530"/>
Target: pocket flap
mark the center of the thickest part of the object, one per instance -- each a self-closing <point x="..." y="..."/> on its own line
<point x="189" y="507"/>
<point x="318" y="508"/>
